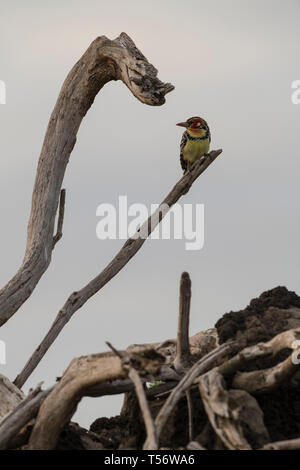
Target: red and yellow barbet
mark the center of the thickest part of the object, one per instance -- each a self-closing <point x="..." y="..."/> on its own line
<point x="195" y="141"/>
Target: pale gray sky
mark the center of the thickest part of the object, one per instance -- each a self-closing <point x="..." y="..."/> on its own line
<point x="231" y="62"/>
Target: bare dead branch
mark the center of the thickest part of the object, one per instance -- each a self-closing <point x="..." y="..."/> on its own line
<point x="183" y="345"/>
<point x="61" y="213"/>
<point x="271" y="348"/>
<point x="140" y="392"/>
<point x="129" y="249"/>
<point x="115" y="387"/>
<point x="265" y="380"/>
<point x="190" y="413"/>
<point x="121" y="354"/>
<point x="104" y="60"/>
<point x="261" y="381"/>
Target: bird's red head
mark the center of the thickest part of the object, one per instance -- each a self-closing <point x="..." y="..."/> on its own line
<point x="195" y="123"/>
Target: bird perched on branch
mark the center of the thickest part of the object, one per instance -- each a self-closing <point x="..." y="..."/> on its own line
<point x="195" y="141"/>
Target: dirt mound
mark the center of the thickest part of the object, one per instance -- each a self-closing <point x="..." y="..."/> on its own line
<point x="263" y="318"/>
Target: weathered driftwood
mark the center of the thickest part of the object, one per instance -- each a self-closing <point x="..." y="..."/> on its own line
<point x="129" y="249"/>
<point x="61" y="403"/>
<point x="21" y="415"/>
<point x="200" y="367"/>
<point x="10" y="396"/>
<point x="284" y="340"/>
<point x="84" y="372"/>
<point x="260" y="381"/>
<point x="265" y="380"/>
<point x="234" y="414"/>
<point x="104" y="60"/>
<point x="202" y="342"/>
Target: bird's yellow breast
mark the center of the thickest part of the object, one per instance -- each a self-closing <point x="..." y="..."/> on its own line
<point x="195" y="149"/>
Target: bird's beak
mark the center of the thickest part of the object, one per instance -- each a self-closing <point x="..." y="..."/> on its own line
<point x="182" y="124"/>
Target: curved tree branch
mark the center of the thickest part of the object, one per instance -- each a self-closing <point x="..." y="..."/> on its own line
<point x="104" y="60"/>
<point x="82" y="373"/>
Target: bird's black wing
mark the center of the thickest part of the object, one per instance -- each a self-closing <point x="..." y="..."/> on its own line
<point x="182" y="145"/>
